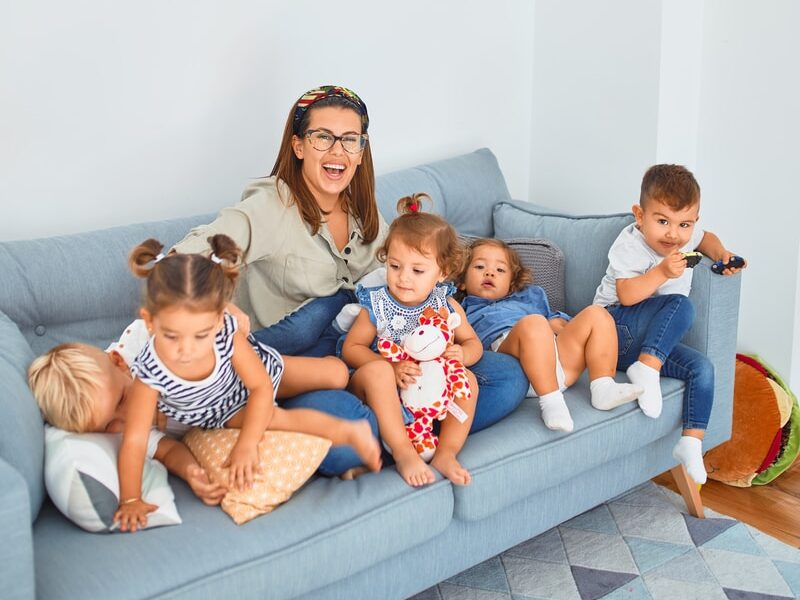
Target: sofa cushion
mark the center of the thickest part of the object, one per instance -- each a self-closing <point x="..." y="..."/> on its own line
<point x="330" y="529"/>
<point x="287" y="460"/>
<point x="583" y="270"/>
<point x="463" y="188"/>
<point x="519" y="457"/>
<point x="21" y="428"/>
<point x="546" y="262"/>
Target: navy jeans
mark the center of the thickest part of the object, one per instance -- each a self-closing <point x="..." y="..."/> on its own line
<point x="655" y="326"/>
<point x="308" y="331"/>
<point x="501" y="380"/>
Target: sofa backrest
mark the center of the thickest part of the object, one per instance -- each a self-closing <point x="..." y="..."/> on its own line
<point x="464" y="190"/>
<point x="584" y="240"/>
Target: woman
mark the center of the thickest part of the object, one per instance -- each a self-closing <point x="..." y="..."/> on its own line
<point x="308" y="232"/>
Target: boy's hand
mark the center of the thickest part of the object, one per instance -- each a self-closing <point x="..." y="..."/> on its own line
<point x="133" y="515"/>
<point x="454" y="352"/>
<point x="406" y="373"/>
<point x="673" y="265"/>
<point x="243" y="463"/>
<point x="209" y="492"/>
<point x="726" y="257"/>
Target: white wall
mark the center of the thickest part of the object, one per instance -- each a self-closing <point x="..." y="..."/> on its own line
<point x="714" y="85"/>
<point x="135" y="111"/>
<point x="122" y="112"/>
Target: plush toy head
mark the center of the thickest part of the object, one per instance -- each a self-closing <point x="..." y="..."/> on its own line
<point x="431" y="338"/>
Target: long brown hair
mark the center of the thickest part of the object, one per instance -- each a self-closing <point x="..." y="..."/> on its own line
<point x="194" y="281"/>
<point x="359" y="197"/>
<point x="425" y="232"/>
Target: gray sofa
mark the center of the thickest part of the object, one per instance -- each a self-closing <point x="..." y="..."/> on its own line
<point x="372" y="538"/>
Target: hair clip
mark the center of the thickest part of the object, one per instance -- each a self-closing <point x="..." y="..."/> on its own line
<point x="158" y="258"/>
<point x="413" y="207"/>
<point x="215" y="258"/>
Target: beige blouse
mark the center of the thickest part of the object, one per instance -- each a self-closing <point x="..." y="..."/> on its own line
<point x="286" y="266"/>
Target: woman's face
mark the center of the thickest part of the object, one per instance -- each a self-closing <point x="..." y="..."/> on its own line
<point x="328" y="173"/>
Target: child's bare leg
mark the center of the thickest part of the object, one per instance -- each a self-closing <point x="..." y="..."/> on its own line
<point x="590" y="339"/>
<point x="341" y="432"/>
<point x="374" y="382"/>
<point x="531" y="341"/>
<point x="646" y="372"/>
<point x="452" y="436"/>
<point x="304" y="374"/>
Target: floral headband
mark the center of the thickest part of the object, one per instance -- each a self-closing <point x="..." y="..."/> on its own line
<point x="328" y="91"/>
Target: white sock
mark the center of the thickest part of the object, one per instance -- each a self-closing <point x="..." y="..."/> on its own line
<point x="608" y="394"/>
<point x="555" y="412"/>
<point x="649" y="379"/>
<point x="689" y="452"/>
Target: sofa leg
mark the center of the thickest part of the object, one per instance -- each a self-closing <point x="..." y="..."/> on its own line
<point x="689" y="490"/>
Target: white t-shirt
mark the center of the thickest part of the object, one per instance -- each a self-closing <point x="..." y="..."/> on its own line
<point x="630" y="256"/>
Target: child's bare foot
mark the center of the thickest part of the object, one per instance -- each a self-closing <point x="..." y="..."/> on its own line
<point x="359" y="436"/>
<point x="351" y="474"/>
<point x="412" y="468"/>
<point x="445" y="462"/>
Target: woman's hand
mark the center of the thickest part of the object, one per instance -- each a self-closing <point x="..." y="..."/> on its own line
<point x="243" y="463"/>
<point x="132" y="515"/>
<point x="405" y="373"/>
<point x="454" y="352"/>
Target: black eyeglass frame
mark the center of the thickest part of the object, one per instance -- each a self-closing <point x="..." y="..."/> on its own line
<point x="363" y="138"/>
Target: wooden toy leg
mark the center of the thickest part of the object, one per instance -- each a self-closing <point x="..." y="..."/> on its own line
<point x="689" y="490"/>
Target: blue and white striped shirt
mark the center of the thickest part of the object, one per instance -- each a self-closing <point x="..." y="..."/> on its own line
<point x="210" y="402"/>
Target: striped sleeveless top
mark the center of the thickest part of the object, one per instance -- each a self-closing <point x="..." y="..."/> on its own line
<point x="210" y="402"/>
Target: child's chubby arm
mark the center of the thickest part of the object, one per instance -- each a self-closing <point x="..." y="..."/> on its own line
<point x="467" y="348"/>
<point x="633" y="290"/>
<point x="179" y="461"/>
<point x="132" y="512"/>
<point x="357" y="351"/>
<point x="713" y="248"/>
<point x="255" y="418"/>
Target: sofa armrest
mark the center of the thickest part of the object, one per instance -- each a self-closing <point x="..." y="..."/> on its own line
<point x="16" y="550"/>
<point x="716" y="303"/>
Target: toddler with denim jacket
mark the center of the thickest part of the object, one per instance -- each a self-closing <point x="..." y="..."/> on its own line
<point x="646" y="288"/>
<point x="515" y="318"/>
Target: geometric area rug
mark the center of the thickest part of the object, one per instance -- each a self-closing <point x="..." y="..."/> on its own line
<point x="642" y="544"/>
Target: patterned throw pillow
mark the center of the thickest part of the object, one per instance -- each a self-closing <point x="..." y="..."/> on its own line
<point x="287" y="460"/>
<point x="80" y="473"/>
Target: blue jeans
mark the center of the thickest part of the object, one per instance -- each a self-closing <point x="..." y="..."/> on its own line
<point x="309" y="330"/>
<point x="502" y="386"/>
<point x="344" y="405"/>
<point x="655" y="326"/>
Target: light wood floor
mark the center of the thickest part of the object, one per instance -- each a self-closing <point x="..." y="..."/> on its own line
<point x="773" y="508"/>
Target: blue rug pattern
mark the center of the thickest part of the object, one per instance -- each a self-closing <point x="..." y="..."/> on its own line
<point x="640" y="545"/>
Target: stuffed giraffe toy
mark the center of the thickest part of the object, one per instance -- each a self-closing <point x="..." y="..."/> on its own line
<point x="443" y="381"/>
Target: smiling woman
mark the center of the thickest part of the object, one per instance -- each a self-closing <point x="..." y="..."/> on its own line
<point x="308" y="233"/>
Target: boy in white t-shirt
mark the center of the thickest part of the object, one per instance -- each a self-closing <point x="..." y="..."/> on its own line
<point x="646" y="288"/>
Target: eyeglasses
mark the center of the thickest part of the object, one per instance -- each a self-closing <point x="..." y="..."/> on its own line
<point x="324" y="140"/>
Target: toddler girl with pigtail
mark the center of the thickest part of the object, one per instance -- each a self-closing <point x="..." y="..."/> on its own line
<point x="421" y="252"/>
<point x="200" y="370"/>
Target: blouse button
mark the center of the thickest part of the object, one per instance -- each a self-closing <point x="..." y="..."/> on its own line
<point x="348" y="250"/>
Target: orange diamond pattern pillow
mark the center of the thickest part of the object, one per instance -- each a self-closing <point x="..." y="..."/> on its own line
<point x="287" y="461"/>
